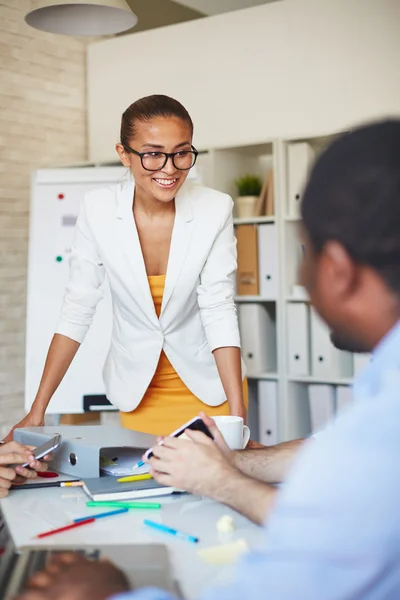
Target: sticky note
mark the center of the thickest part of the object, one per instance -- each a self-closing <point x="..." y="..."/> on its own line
<point x="224" y="554"/>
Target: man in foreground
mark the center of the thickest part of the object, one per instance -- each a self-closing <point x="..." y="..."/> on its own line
<point x="334" y="532"/>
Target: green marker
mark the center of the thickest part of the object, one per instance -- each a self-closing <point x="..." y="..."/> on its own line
<point x="143" y="505"/>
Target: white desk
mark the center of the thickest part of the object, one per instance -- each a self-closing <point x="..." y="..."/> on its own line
<point x="31" y="512"/>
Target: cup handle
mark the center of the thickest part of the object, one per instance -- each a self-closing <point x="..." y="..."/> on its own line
<point x="246" y="436"/>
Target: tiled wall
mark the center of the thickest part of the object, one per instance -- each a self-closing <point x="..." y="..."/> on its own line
<point x="42" y="124"/>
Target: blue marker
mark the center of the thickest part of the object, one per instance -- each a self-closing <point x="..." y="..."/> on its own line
<point x="175" y="532"/>
<point x="139" y="464"/>
<point x="110" y="513"/>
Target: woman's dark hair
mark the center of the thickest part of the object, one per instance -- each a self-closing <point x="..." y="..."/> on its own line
<point x="148" y="108"/>
<point x="353" y="197"/>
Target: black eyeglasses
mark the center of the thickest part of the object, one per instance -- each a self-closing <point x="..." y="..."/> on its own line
<point x="155" y="161"/>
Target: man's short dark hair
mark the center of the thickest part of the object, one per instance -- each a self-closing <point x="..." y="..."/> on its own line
<point x="353" y="197"/>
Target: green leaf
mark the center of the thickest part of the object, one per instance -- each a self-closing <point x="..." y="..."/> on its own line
<point x="248" y="185"/>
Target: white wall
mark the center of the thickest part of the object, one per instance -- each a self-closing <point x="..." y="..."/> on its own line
<point x="286" y="69"/>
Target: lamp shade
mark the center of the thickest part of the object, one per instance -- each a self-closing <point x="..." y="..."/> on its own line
<point x="81" y="17"/>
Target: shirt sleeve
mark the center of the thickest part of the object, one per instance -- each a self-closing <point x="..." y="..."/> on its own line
<point x="217" y="288"/>
<point x="83" y="291"/>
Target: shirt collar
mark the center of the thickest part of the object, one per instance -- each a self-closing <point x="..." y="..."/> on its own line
<point x="385" y="357"/>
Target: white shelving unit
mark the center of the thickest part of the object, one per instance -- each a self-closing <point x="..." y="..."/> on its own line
<point x="307" y="399"/>
<point x="292" y="402"/>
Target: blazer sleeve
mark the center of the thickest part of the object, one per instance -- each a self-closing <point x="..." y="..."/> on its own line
<point x="87" y="273"/>
<point x="217" y="288"/>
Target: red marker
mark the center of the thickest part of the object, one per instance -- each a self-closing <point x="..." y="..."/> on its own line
<point x="47" y="475"/>
<point x="66" y="528"/>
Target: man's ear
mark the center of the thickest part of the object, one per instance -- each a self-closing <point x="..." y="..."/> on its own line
<point x="338" y="268"/>
<point x="123" y="155"/>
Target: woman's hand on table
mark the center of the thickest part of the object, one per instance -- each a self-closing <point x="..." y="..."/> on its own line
<point x="69" y="576"/>
<point x="30" y="420"/>
<point x="16" y="454"/>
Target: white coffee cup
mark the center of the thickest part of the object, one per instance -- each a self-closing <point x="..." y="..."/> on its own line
<point x="234" y="432"/>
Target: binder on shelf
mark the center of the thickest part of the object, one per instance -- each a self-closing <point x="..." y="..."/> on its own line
<point x="360" y="362"/>
<point x="326" y="360"/>
<point x="247" y="270"/>
<point x="322" y="403"/>
<point x="258" y="338"/>
<point x="298" y="338"/>
<point x="270" y="199"/>
<point x="300" y="158"/>
<point x="268" y="270"/>
<point x="268" y="413"/>
<point x="344" y="397"/>
<point x="294" y="253"/>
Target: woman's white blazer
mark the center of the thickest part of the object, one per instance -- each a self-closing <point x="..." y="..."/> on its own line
<point x="198" y="312"/>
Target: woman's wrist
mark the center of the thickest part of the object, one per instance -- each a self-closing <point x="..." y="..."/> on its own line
<point x="37" y="411"/>
<point x="237" y="408"/>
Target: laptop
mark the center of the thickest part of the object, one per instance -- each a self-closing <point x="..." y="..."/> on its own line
<point x="143" y="564"/>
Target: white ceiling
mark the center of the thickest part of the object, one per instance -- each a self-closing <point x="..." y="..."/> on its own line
<point x="215" y="7"/>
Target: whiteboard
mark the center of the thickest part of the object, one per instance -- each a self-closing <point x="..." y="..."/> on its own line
<point x="56" y="197"/>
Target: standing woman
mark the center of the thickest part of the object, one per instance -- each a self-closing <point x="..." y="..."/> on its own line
<point x="168" y="249"/>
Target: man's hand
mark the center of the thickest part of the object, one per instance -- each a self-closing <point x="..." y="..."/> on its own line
<point x="219" y="438"/>
<point x="196" y="466"/>
<point x="16" y="454"/>
<point x="217" y="435"/>
<point x="68" y="576"/>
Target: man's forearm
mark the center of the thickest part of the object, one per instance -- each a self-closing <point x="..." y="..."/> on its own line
<point x="269" y="464"/>
<point x="251" y="498"/>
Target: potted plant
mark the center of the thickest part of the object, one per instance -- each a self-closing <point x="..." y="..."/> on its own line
<point x="249" y="189"/>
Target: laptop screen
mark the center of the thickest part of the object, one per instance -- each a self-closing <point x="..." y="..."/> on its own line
<point x="144" y="564"/>
<point x="7" y="554"/>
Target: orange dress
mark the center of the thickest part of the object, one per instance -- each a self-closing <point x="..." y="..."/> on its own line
<point x="167" y="403"/>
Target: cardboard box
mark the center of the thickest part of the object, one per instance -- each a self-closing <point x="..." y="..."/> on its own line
<point x="87" y="418"/>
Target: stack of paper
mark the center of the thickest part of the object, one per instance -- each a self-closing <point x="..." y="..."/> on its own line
<point x="121" y="461"/>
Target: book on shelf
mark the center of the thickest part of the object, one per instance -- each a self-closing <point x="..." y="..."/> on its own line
<point x="265" y="204"/>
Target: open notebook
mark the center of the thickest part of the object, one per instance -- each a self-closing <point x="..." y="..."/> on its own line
<point x="107" y="488"/>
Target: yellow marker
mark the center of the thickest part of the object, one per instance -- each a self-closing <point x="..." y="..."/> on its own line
<point x="134" y="478"/>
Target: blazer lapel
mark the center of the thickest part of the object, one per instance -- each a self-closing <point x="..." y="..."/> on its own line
<point x="132" y="248"/>
<point x="180" y="242"/>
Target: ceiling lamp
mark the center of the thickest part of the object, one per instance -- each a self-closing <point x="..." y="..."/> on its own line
<point x="81" y="17"/>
